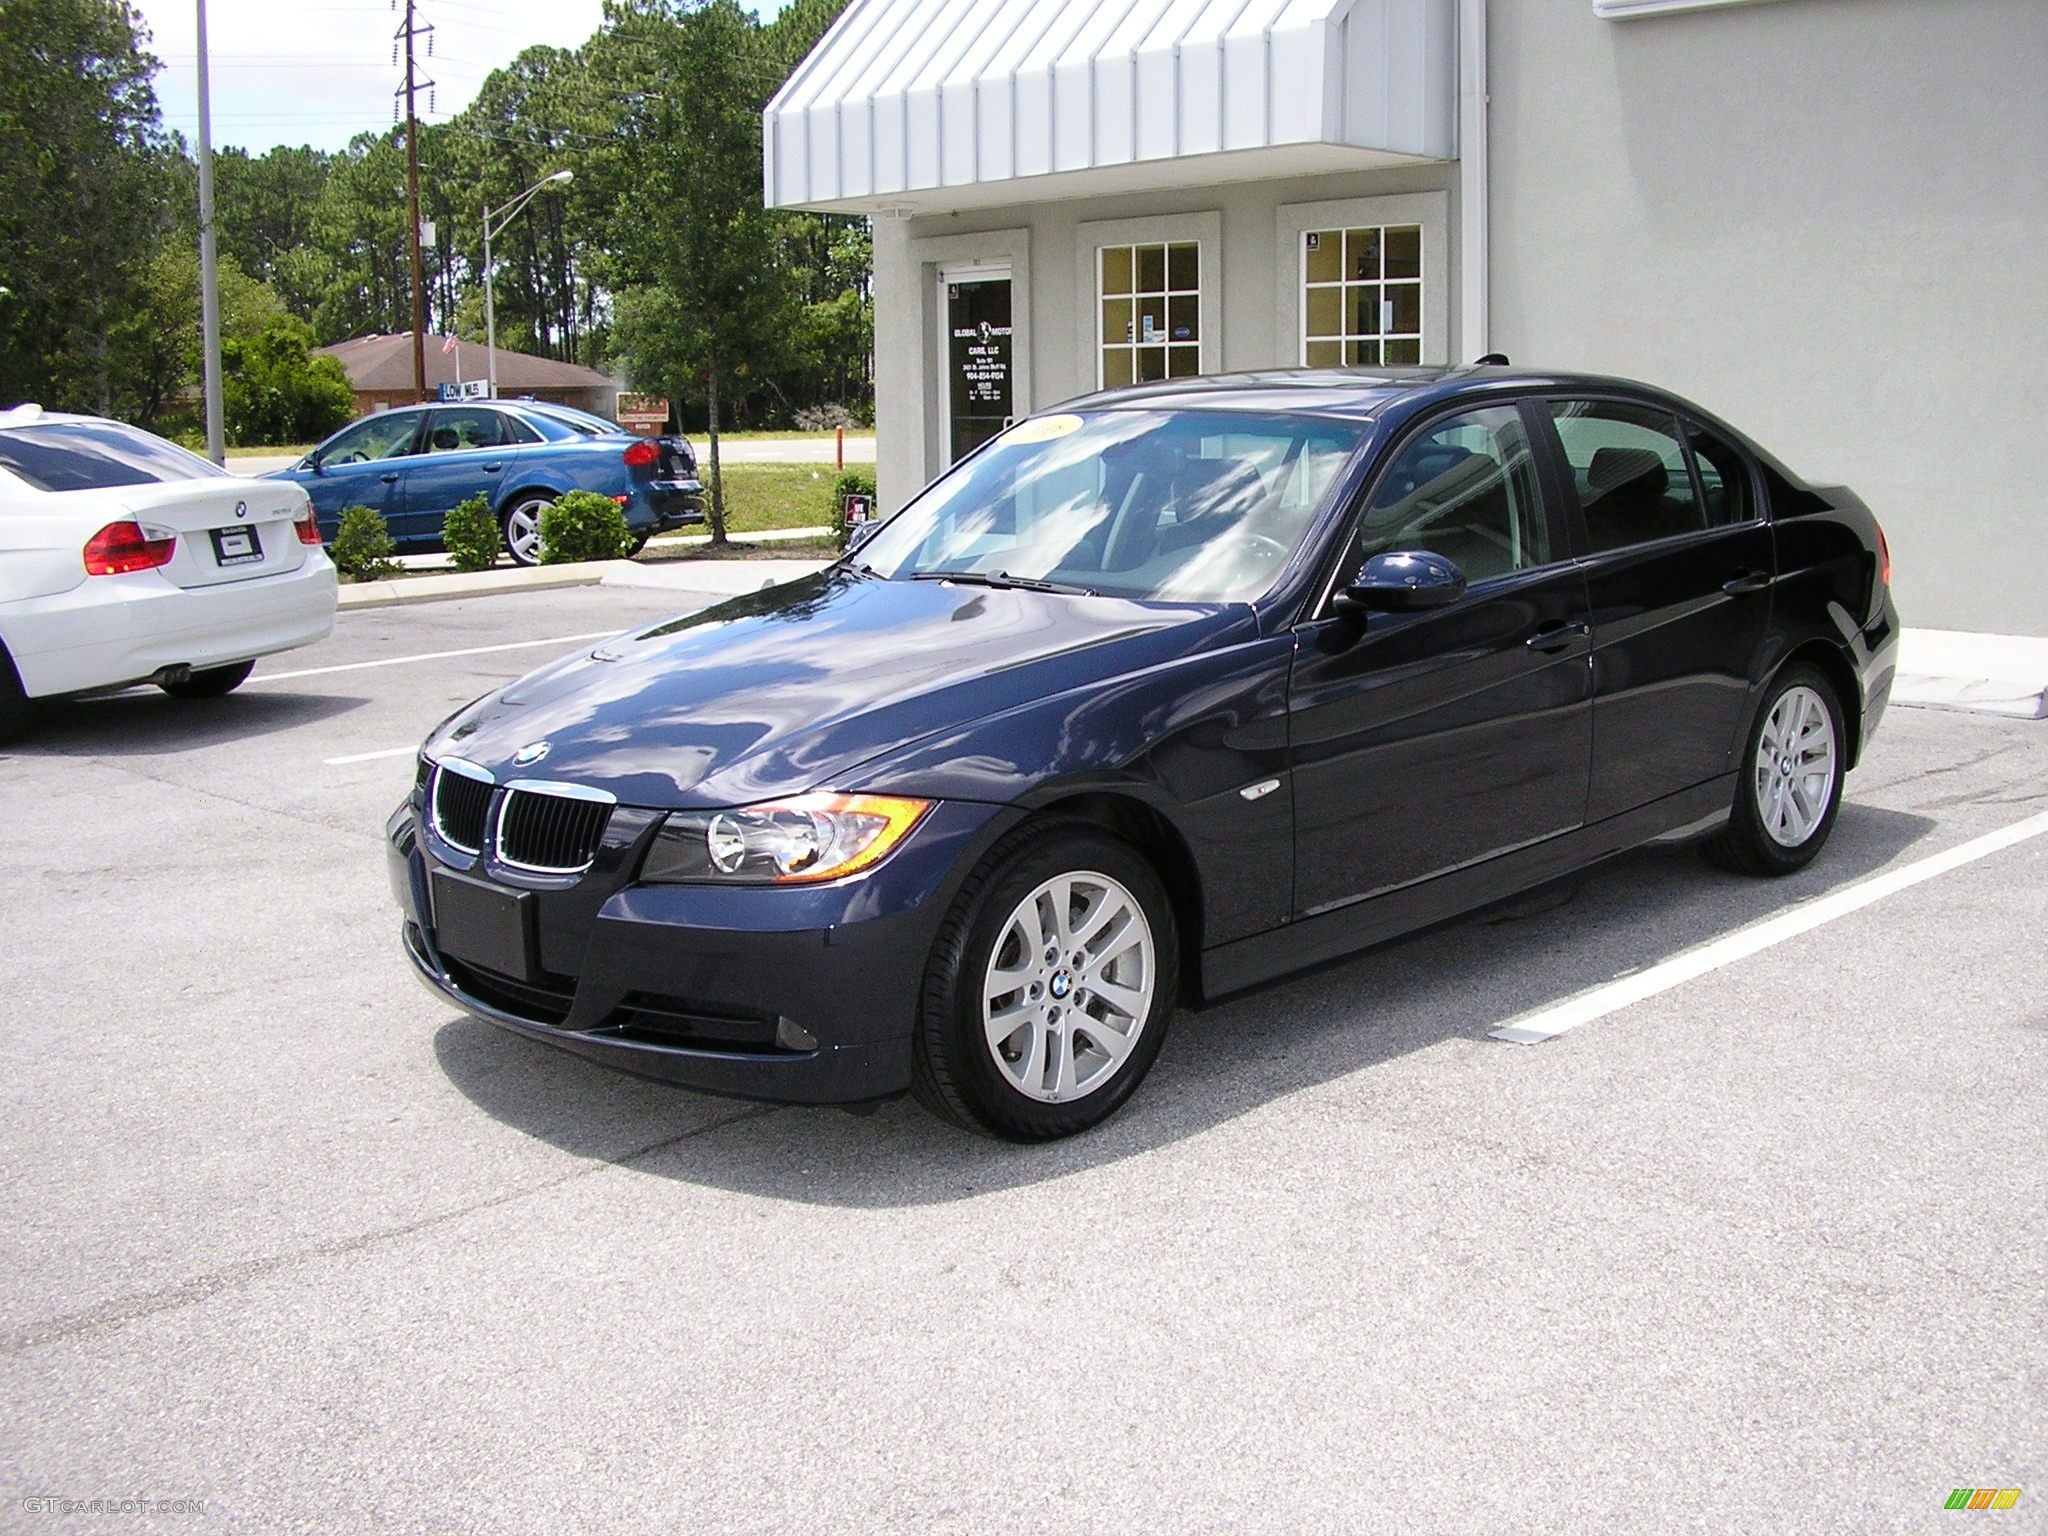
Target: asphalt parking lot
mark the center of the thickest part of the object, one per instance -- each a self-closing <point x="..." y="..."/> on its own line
<point x="1762" y="1251"/>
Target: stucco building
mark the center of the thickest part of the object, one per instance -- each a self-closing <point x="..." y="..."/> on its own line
<point x="1823" y="219"/>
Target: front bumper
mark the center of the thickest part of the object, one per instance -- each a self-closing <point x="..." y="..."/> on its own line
<point x="706" y="986"/>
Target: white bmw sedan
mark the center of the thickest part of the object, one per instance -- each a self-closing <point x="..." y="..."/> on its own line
<point x="126" y="560"/>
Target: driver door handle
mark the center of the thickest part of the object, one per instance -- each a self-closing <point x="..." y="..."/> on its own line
<point x="492" y="469"/>
<point x="387" y="479"/>
<point x="1744" y="582"/>
<point x="1557" y="636"/>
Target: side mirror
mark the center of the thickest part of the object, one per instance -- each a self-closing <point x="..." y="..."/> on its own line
<point x="1403" y="581"/>
<point x="860" y="533"/>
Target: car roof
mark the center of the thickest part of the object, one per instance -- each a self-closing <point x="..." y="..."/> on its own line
<point x="1358" y="393"/>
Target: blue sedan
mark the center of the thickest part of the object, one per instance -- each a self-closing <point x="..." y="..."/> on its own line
<point x="415" y="463"/>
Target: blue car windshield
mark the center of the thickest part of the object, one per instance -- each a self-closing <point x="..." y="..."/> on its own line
<point x="1190" y="506"/>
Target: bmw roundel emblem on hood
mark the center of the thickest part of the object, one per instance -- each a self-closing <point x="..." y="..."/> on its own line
<point x="530" y="754"/>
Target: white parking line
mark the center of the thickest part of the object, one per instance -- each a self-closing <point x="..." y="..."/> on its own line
<point x="1548" y="1023"/>
<point x="399" y="661"/>
<point x="371" y="757"/>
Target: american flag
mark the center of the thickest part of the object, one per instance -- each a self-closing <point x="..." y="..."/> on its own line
<point x="448" y="344"/>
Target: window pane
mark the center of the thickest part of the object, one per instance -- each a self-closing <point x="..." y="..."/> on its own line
<point x="1116" y="320"/>
<point x="1404" y="251"/>
<point x="1466" y="490"/>
<point x="1182" y="267"/>
<point x="1325" y="312"/>
<point x="1116" y="366"/>
<point x="1629" y="470"/>
<point x="1724" y="476"/>
<point x="1151" y="269"/>
<point x="92" y="455"/>
<point x="1325" y="255"/>
<point x="1184" y="314"/>
<point x="1151" y="363"/>
<point x="1402" y="354"/>
<point x="1362" y="255"/>
<point x="1116" y="269"/>
<point x="1325" y="354"/>
<point x="1152" y="318"/>
<point x="1364" y="354"/>
<point x="1406" y="316"/>
<point x="1183" y="362"/>
<point x="1364" y="310"/>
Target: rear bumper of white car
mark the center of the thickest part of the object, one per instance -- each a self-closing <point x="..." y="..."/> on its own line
<point x="112" y="630"/>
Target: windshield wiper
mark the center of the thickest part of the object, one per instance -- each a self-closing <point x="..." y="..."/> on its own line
<point x="1005" y="579"/>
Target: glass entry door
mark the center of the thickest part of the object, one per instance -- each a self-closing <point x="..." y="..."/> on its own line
<point x="977" y="361"/>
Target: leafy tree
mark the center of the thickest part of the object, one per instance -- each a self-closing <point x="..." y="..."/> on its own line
<point x="263" y="205"/>
<point x="275" y="390"/>
<point x="82" y="161"/>
<point x="159" y="339"/>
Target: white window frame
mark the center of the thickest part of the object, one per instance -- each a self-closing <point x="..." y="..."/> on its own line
<point x="1431" y="211"/>
<point x="1203" y="230"/>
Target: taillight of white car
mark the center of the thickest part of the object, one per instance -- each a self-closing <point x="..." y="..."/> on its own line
<point x="307" y="527"/>
<point x="122" y="547"/>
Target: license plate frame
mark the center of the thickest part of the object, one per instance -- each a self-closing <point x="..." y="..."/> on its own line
<point x="237" y="546"/>
<point x="485" y="925"/>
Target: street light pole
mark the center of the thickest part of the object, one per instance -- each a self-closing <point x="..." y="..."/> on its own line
<point x="209" y="272"/>
<point x="504" y="216"/>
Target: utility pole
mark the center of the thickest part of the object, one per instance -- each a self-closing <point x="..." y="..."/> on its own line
<point x="209" y="271"/>
<point x="408" y="34"/>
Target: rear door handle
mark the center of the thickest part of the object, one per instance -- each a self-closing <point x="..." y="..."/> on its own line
<point x="1748" y="581"/>
<point x="1557" y="636"/>
<point x="492" y="469"/>
<point x="388" y="479"/>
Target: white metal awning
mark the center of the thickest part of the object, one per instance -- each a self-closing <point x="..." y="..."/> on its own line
<point x="930" y="105"/>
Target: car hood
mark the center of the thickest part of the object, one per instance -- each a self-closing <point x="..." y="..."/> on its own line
<point x="792" y="688"/>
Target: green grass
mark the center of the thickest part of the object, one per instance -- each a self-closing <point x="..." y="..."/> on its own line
<point x="775" y="549"/>
<point x="759" y="496"/>
<point x="297" y="450"/>
<point x="771" y="434"/>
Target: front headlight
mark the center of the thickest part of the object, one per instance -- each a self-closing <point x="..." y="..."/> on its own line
<point x="780" y="842"/>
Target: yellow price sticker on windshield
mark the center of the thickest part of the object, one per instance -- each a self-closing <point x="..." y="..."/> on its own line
<point x="1043" y="429"/>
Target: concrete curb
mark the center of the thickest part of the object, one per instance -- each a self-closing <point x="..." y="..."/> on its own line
<point x="1981" y="674"/>
<point x="453" y="584"/>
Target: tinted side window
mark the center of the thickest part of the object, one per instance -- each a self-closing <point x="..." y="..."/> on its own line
<point x="1465" y="489"/>
<point x="1630" y="470"/>
<point x="91" y="455"/>
<point x="464" y="426"/>
<point x="516" y="429"/>
<point x="1724" y="478"/>
<point x="378" y="437"/>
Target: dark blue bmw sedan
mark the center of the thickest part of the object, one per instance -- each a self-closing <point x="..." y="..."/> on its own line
<point x="1153" y="698"/>
<point x="415" y="463"/>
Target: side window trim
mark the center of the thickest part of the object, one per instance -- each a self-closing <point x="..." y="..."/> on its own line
<point x="1561" y="553"/>
<point x="1752" y="476"/>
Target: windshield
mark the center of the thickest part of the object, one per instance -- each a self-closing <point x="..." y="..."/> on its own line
<point x="1191" y="506"/>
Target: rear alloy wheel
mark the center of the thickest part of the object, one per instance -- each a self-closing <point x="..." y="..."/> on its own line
<point x="1790" y="784"/>
<point x="211" y="683"/>
<point x="1050" y="989"/>
<point x="522" y="528"/>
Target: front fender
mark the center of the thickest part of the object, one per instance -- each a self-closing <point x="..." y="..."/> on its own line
<point x="1185" y="738"/>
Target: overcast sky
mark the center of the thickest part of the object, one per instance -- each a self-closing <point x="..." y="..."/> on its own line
<point x="319" y="72"/>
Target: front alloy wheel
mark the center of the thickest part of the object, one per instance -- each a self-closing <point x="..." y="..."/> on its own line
<point x="1050" y="986"/>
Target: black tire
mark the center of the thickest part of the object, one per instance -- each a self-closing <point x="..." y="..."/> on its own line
<point x="1745" y="845"/>
<point x="955" y="1069"/>
<point x="639" y="543"/>
<point x="16" y="711"/>
<point x="211" y="683"/>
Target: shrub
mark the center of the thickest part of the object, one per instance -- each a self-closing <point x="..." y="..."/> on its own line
<point x="583" y="526"/>
<point x="276" y="389"/>
<point x="362" y="547"/>
<point x="470" y="533"/>
<point x="852" y="482"/>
